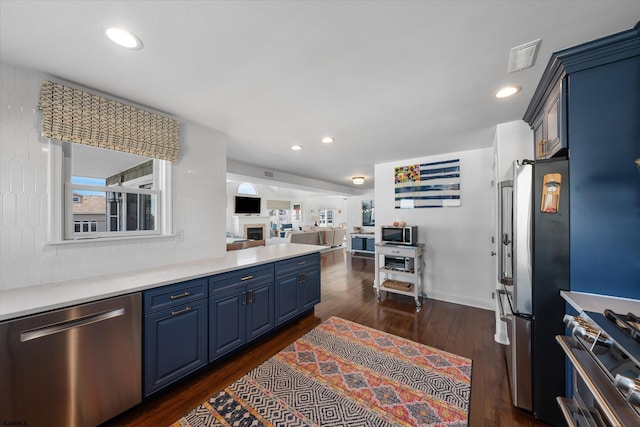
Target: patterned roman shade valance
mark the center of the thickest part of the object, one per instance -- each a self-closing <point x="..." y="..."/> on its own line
<point x="76" y="116"/>
<point x="278" y="204"/>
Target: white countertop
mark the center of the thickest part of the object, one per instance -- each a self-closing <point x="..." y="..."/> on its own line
<point x="36" y="299"/>
<point x="598" y="303"/>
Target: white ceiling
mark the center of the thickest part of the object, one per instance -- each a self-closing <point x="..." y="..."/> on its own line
<point x="389" y="80"/>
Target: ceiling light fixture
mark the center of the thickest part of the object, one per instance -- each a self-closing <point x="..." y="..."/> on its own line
<point x="508" y="91"/>
<point x="124" y="38"/>
<point x="296" y="147"/>
<point x="358" y="180"/>
<point x="327" y="140"/>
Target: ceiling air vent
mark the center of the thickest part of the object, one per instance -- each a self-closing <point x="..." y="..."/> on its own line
<point x="523" y="56"/>
<point x="269" y="174"/>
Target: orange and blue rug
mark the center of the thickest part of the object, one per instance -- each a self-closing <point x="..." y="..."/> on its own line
<point x="345" y="374"/>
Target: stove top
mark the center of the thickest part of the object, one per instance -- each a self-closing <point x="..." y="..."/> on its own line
<point x="623" y="329"/>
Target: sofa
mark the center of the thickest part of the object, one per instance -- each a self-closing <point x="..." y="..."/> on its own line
<point x="320" y="236"/>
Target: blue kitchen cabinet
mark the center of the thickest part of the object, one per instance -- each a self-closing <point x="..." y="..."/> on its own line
<point x="175" y="333"/>
<point x="588" y="99"/>
<point x="240" y="308"/>
<point x="227" y="322"/>
<point x="598" y="114"/>
<point x="297" y="286"/>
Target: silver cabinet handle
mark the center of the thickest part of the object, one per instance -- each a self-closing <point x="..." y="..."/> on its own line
<point x="184" y="310"/>
<point x="186" y="294"/>
<point x="302" y="262"/>
<point x="246" y="278"/>
<point x="70" y="324"/>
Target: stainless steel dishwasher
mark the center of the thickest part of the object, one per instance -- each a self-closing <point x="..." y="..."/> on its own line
<point x="74" y="367"/>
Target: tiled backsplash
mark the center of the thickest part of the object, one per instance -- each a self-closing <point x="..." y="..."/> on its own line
<point x="199" y="196"/>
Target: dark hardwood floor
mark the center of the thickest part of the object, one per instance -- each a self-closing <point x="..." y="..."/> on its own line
<point x="347" y="292"/>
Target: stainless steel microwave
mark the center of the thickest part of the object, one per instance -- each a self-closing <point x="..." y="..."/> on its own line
<point x="399" y="235"/>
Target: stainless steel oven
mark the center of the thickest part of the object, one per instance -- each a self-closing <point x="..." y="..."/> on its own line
<point x="399" y="263"/>
<point x="606" y="372"/>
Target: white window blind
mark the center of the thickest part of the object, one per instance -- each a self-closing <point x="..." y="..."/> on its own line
<point x="278" y="204"/>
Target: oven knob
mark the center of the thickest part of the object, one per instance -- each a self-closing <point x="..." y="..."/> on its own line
<point x="569" y="320"/>
<point x="626" y="384"/>
<point x="581" y="332"/>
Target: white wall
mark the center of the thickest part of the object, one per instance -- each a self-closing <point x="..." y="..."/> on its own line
<point x="459" y="266"/>
<point x="25" y="258"/>
<point x="514" y="141"/>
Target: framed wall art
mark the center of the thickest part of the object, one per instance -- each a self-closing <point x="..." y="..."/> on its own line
<point x="427" y="185"/>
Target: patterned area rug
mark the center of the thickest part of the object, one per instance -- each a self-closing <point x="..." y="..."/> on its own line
<point x="345" y="374"/>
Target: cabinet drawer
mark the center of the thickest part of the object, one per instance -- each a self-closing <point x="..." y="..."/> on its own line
<point x="171" y="295"/>
<point x="296" y="264"/>
<point x="225" y="281"/>
<point x="397" y="250"/>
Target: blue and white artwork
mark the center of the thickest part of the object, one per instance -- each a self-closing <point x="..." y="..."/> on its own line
<point x="428" y="185"/>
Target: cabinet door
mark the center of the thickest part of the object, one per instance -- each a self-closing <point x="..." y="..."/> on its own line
<point x="358" y="244"/>
<point x="227" y="321"/>
<point x="553" y="127"/>
<point x="286" y="297"/>
<point x="260" y="312"/>
<point x="370" y="244"/>
<point x="175" y="344"/>
<point x="309" y="283"/>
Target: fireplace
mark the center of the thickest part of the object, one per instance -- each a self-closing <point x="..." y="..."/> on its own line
<point x="255" y="233"/>
<point x="241" y="225"/>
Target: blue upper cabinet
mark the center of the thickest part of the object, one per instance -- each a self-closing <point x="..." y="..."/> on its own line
<point x="601" y="116"/>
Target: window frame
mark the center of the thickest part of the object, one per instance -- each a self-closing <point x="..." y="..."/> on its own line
<point x="60" y="226"/>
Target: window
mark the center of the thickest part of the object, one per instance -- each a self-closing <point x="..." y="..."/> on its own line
<point x="246" y="188"/>
<point x="325" y="217"/>
<point x="85" y="226"/>
<point x="105" y="193"/>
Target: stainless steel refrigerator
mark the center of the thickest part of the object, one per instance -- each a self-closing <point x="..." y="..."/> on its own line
<point x="534" y="267"/>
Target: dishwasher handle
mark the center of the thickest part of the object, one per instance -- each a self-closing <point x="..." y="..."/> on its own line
<point x="70" y="324"/>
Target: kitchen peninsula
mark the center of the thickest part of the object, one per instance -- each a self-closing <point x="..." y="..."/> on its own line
<point x="139" y="332"/>
<point x="37" y="299"/>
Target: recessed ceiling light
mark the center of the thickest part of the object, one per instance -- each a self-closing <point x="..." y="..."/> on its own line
<point x="124" y="38"/>
<point x="508" y="91"/>
<point x="358" y="180"/>
<point x="296" y="147"/>
<point x="327" y="140"/>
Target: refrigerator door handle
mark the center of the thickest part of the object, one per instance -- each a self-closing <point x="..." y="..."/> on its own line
<point x="503" y="316"/>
